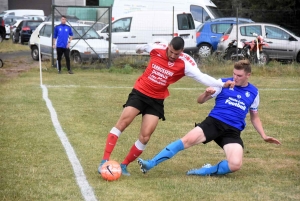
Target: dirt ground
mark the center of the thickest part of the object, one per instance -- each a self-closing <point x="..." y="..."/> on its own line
<point x="16" y="63"/>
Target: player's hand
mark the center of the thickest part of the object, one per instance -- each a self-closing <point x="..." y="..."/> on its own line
<point x="229" y="83"/>
<point x="209" y="91"/>
<point x="53" y="46"/>
<point x="272" y="140"/>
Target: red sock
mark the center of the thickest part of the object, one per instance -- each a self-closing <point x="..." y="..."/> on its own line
<point x="111" y="142"/>
<point x="132" y="155"/>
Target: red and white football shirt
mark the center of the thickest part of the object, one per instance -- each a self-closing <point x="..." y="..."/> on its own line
<point x="160" y="72"/>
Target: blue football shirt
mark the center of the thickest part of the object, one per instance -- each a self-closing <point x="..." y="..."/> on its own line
<point x="232" y="105"/>
<point x="62" y="33"/>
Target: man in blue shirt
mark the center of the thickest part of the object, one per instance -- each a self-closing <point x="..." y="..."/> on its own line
<point x="61" y="41"/>
<point x="223" y="125"/>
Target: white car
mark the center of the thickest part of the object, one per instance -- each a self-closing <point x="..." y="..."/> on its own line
<point x="86" y="43"/>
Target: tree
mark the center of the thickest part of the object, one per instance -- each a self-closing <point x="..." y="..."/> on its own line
<point x="285" y="13"/>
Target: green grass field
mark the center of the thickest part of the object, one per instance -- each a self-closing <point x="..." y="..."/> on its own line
<point x="34" y="164"/>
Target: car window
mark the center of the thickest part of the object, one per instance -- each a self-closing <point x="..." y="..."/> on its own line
<point x="85" y="32"/>
<point x="199" y="14"/>
<point x="200" y="27"/>
<point x="20" y="25"/>
<point x="46" y="31"/>
<point x="228" y="31"/>
<point x="276" y="33"/>
<point x="121" y="25"/>
<point x="185" y="22"/>
<point x="250" y="30"/>
<point x="219" y="28"/>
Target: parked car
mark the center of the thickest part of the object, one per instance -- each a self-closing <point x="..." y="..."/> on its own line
<point x="142" y="27"/>
<point x="2" y="29"/>
<point x="14" y="25"/>
<point x="86" y="43"/>
<point x="24" y="30"/>
<point x="282" y="44"/>
<point x="9" y="20"/>
<point x="21" y="12"/>
<point x="209" y="33"/>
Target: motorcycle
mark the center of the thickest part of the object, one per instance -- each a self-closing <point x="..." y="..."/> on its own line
<point x="253" y="50"/>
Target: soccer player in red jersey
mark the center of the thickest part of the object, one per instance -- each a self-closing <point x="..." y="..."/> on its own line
<point x="167" y="65"/>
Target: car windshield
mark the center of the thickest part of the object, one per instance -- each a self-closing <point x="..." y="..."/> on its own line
<point x="215" y="11"/>
<point x="85" y="32"/>
<point x="2" y="14"/>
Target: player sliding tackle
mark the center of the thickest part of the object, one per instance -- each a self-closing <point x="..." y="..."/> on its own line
<point x="167" y="65"/>
<point x="223" y="125"/>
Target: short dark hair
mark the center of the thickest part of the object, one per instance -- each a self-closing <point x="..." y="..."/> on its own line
<point x="243" y="65"/>
<point x="63" y="16"/>
<point x="177" y="43"/>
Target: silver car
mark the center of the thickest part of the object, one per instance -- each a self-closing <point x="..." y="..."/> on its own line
<point x="282" y="44"/>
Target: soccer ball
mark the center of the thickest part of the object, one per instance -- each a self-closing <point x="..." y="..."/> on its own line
<point x="111" y="170"/>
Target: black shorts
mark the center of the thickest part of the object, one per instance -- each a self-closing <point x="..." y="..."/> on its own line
<point x="220" y="132"/>
<point x="146" y="104"/>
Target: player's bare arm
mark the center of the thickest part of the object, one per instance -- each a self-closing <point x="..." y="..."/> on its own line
<point x="206" y="95"/>
<point x="255" y="120"/>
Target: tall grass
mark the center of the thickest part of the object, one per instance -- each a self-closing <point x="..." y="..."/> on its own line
<point x="211" y="65"/>
<point x="9" y="46"/>
<point x="34" y="165"/>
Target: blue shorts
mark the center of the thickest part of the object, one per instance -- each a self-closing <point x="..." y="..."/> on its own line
<point x="146" y="104"/>
<point x="220" y="132"/>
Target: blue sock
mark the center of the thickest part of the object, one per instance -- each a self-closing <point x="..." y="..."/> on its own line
<point x="219" y="169"/>
<point x="168" y="152"/>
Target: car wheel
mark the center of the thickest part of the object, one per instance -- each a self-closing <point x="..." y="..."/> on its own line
<point x="21" y="40"/>
<point x="1" y="38"/>
<point x="76" y="57"/>
<point x="35" y="53"/>
<point x="205" y="50"/>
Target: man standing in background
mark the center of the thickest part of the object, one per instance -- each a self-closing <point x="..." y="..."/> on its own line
<point x="61" y="41"/>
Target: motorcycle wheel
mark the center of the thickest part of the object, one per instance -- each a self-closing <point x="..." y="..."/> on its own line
<point x="1" y="63"/>
<point x="263" y="60"/>
<point x="229" y="53"/>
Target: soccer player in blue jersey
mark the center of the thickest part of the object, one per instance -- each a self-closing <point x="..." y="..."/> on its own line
<point x="62" y="38"/>
<point x="223" y="125"/>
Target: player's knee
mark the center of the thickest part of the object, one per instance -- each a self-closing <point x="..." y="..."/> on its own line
<point x="144" y="139"/>
<point x="235" y="165"/>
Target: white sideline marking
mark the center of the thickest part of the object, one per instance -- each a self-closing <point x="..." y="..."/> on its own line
<point x="175" y="88"/>
<point x="86" y="190"/>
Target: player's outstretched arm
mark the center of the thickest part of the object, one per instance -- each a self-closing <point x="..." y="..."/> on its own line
<point x="205" y="96"/>
<point x="255" y="120"/>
